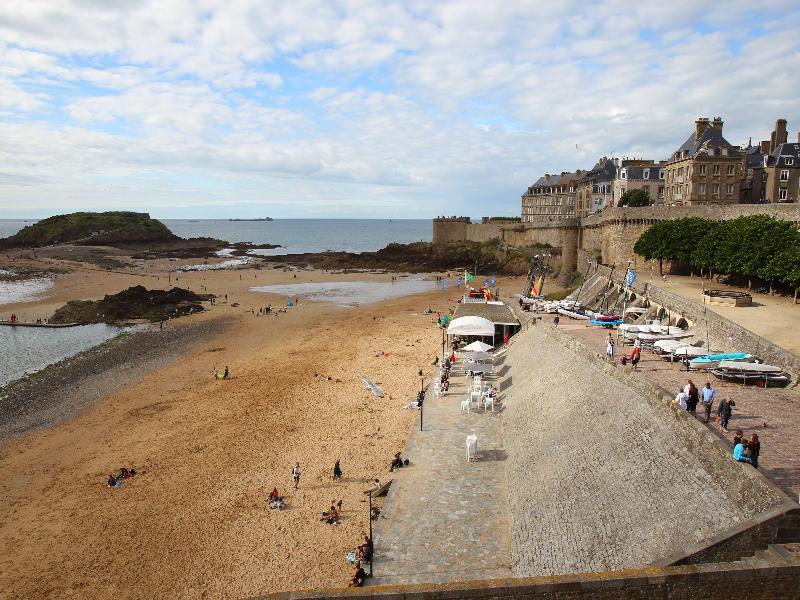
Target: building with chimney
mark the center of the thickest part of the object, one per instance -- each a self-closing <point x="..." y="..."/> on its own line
<point x="550" y="198"/>
<point x="705" y="169"/>
<point x="639" y="174"/>
<point x="780" y="175"/>
<point x="595" y="187"/>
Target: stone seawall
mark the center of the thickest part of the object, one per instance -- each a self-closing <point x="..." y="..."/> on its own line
<point x="724" y="334"/>
<point x="610" y="234"/>
<point x="603" y="472"/>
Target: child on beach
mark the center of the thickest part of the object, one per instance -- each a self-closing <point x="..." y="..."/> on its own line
<point x="296" y="475"/>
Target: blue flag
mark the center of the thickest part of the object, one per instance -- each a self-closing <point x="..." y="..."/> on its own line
<point x="630" y="277"/>
<point x="492" y="279"/>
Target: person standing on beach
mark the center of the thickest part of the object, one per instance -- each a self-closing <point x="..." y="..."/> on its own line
<point x="296" y="475"/>
<point x="610" y="347"/>
<point x="337" y="471"/>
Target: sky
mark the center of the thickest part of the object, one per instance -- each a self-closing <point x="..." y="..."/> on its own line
<point x="353" y="108"/>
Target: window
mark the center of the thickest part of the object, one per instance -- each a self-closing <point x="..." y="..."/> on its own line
<point x="621" y="191"/>
<point x="789" y="162"/>
<point x="715" y="189"/>
<point x="702" y="189"/>
<point x="782" y="194"/>
<point x="702" y="169"/>
<point x="624" y="174"/>
<point x="716" y="169"/>
<point x="646" y="174"/>
<point x="785" y="175"/>
<point x="661" y="173"/>
<point x="729" y="189"/>
<point x="730" y="169"/>
<point x="661" y="191"/>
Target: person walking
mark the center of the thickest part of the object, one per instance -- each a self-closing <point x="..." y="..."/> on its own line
<point x="337" y="471"/>
<point x="556" y="320"/>
<point x="709" y="393"/>
<point x="296" y="475"/>
<point x="610" y="347"/>
<point x="691" y="391"/>
<point x="725" y="411"/>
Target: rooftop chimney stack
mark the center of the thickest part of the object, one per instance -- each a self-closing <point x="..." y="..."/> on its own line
<point x="717" y="124"/>
<point x="779" y="135"/>
<point x="700" y="125"/>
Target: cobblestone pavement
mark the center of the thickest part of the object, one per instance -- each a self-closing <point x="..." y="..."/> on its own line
<point x="599" y="478"/>
<point x="772" y="413"/>
<point x="446" y="519"/>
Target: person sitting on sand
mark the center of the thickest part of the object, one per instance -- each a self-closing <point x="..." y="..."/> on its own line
<point x="359" y="577"/>
<point x="274" y="495"/>
<point x="112" y="481"/>
<point x="276" y="500"/>
<point x="397" y="462"/>
<point x="330" y="516"/>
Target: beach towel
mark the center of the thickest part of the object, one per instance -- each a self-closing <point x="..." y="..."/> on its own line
<point x="351" y="558"/>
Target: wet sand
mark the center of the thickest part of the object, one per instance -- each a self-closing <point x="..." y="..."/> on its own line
<point x="196" y="523"/>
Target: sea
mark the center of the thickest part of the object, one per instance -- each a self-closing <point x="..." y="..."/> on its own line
<point x="31" y="349"/>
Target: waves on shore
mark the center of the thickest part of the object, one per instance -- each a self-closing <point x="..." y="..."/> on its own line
<point x="350" y="293"/>
<point x="25" y="290"/>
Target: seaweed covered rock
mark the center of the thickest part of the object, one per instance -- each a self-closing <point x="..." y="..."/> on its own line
<point x="134" y="303"/>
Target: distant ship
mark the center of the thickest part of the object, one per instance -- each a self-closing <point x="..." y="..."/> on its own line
<point x="264" y="219"/>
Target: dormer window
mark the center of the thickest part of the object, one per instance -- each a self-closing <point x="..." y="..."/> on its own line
<point x="646" y="174"/>
<point x="789" y="162"/>
<point x="624" y="174"/>
<point x="661" y="173"/>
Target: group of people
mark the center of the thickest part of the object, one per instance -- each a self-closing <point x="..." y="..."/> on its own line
<point x="444" y="374"/>
<point x="690" y="397"/>
<point x="115" y="479"/>
<point x="331" y="515"/>
<point x="398" y="462"/>
<point x="362" y="553"/>
<point x="746" y="451"/>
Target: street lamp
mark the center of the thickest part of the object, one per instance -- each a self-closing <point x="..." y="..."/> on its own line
<point x="421" y="401"/>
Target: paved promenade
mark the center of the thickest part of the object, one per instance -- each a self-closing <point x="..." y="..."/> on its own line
<point x="446" y="519"/>
<point x="772" y="413"/>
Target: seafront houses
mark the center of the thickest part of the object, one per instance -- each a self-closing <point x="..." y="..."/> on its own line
<point x="639" y="174"/>
<point x="550" y="198"/>
<point x="706" y="169"/>
<point x="595" y="187"/>
<point x="782" y="167"/>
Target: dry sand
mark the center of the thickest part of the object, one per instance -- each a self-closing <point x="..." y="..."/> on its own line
<point x="196" y="523"/>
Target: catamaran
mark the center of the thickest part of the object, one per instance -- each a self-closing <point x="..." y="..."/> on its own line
<point x="758" y="373"/>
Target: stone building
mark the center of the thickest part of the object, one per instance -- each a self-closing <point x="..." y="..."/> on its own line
<point x="754" y="185"/>
<point x="551" y="198"/>
<point x="595" y="187"/>
<point x="706" y="169"/>
<point x="782" y="173"/>
<point x="644" y="175"/>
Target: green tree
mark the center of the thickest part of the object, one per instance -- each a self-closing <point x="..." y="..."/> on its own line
<point x="636" y="197"/>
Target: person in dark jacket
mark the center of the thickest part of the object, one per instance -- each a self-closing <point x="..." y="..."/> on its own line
<point x="694" y="397"/>
<point x="754" y="447"/>
<point x="337" y="471"/>
<point x="725" y="410"/>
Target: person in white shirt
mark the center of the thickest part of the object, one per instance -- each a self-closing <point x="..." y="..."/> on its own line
<point x="296" y="475"/>
<point x="681" y="399"/>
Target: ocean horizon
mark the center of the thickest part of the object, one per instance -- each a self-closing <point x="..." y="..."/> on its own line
<point x="295" y="236"/>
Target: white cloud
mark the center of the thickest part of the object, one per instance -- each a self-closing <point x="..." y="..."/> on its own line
<point x="430" y="106"/>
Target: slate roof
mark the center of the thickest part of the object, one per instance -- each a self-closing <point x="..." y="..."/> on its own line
<point x="638" y="172"/>
<point x="754" y="157"/>
<point x="710" y="138"/>
<point x="499" y="314"/>
<point x="603" y="170"/>
<point x="781" y="153"/>
<point x="553" y="180"/>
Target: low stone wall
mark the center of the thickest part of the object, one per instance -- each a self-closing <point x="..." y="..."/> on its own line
<point x="690" y="582"/>
<point x="725" y="335"/>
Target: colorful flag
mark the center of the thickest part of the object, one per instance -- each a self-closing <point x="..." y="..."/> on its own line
<point x="630" y="277"/>
<point x="458" y="282"/>
<point x="469" y="276"/>
<point x="537" y="287"/>
<point x="492" y="279"/>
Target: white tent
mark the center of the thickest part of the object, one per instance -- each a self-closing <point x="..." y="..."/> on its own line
<point x="477" y="347"/>
<point x="477" y="367"/>
<point x="478" y="356"/>
<point x="470" y="326"/>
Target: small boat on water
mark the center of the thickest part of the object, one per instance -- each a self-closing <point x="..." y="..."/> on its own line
<point x="713" y="360"/>
<point x="760" y="374"/>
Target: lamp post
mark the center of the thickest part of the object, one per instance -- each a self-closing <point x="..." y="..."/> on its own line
<point x="370" y="535"/>
<point x="421" y="397"/>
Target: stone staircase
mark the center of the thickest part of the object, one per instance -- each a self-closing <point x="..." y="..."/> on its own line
<point x="773" y="555"/>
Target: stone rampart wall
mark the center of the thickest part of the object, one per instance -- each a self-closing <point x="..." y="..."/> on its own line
<point x="724" y="334"/>
<point x="689" y="582"/>
<point x="611" y="233"/>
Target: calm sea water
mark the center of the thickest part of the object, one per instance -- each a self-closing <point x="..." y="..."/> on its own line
<point x="29" y="349"/>
<point x="294" y="235"/>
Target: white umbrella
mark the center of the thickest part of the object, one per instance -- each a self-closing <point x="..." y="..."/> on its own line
<point x="478" y="356"/>
<point x="477" y="367"/>
<point x="477" y="347"/>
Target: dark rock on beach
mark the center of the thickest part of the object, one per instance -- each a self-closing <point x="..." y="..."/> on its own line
<point x="134" y="303"/>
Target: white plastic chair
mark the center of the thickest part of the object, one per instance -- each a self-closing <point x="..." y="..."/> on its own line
<point x="487" y="402"/>
<point x="465" y="406"/>
<point x="472" y="447"/>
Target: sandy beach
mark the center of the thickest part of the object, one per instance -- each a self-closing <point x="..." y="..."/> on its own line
<point x="196" y="522"/>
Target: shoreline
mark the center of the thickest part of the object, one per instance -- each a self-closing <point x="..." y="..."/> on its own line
<point x="62" y="390"/>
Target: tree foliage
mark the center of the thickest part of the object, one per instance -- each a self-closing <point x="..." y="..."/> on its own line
<point x="637" y="197"/>
<point x="754" y="246"/>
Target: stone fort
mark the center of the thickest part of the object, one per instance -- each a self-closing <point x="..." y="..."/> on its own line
<point x="606" y="237"/>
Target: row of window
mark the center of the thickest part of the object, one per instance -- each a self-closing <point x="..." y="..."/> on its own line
<point x="645" y="174"/>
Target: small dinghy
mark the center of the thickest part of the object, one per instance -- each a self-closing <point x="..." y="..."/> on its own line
<point x="713" y="360"/>
<point x="756" y="373"/>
